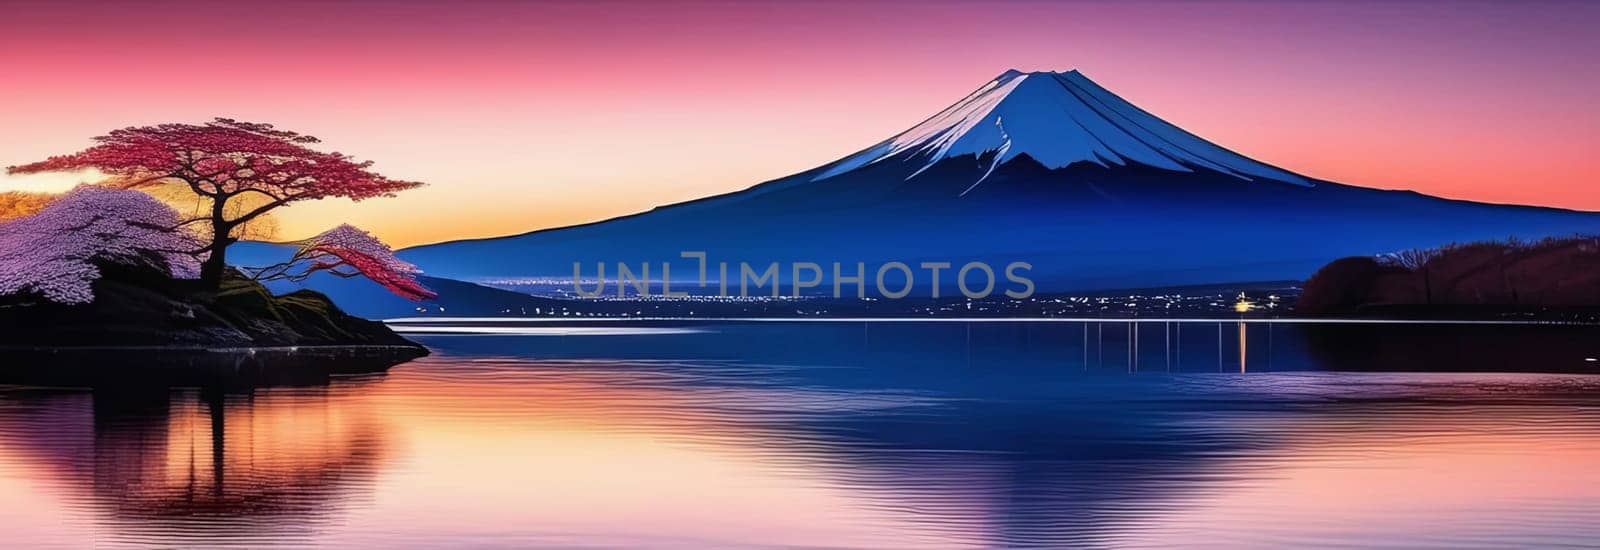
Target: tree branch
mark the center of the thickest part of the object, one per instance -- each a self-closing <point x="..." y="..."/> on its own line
<point x="255" y="190"/>
<point x="257" y="212"/>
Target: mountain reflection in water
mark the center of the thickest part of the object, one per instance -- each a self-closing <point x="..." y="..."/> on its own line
<point x="839" y="435"/>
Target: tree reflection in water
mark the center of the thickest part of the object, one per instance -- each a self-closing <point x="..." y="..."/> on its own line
<point x="202" y="456"/>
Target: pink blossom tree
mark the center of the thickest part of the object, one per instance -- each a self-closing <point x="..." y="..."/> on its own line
<point x="56" y="253"/>
<point x="242" y="169"/>
<point x="347" y="251"/>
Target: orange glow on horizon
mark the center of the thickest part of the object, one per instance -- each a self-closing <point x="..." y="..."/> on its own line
<point x="529" y="116"/>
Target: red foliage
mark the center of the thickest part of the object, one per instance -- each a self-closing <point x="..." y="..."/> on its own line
<point x="347" y="251"/>
<point x="226" y="157"/>
<point x="399" y="282"/>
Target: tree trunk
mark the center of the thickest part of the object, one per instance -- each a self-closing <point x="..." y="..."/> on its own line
<point x="217" y="262"/>
<point x="211" y="270"/>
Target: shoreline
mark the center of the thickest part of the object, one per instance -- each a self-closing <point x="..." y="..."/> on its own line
<point x="218" y="350"/>
<point x="401" y="323"/>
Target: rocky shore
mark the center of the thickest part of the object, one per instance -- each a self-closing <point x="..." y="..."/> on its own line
<point x="141" y="309"/>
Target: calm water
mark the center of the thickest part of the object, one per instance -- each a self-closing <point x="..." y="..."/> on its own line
<point x="841" y="435"/>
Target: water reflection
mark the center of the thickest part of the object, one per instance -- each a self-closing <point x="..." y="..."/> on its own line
<point x="821" y="435"/>
<point x="198" y="466"/>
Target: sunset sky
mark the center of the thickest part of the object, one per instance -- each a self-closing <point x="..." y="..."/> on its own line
<point x="523" y="116"/>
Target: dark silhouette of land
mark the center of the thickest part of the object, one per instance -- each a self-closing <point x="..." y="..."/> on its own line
<point x="141" y="308"/>
<point x="1554" y="278"/>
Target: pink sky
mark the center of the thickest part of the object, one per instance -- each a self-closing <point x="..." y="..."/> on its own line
<point x="530" y="115"/>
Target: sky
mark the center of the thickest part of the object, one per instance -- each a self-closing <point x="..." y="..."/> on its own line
<point x="528" y="115"/>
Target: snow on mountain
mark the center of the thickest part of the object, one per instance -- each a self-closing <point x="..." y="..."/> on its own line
<point x="1058" y="119"/>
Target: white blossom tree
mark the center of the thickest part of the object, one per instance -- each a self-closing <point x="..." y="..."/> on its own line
<point x="57" y="252"/>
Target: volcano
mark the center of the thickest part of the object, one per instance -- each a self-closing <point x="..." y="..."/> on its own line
<point x="1047" y="168"/>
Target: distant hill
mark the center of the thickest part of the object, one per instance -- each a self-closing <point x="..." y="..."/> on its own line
<point x="363" y="298"/>
<point x="1487" y="276"/>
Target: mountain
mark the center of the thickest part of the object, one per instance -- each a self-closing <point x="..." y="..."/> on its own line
<point x="1058" y="120"/>
<point x="1046" y="168"/>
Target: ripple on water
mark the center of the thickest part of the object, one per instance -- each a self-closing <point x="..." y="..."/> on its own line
<point x="517" y="441"/>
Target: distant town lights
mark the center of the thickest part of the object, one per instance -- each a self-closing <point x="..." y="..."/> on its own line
<point x="1243" y="305"/>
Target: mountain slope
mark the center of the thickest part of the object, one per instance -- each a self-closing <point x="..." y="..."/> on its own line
<point x="1045" y="168"/>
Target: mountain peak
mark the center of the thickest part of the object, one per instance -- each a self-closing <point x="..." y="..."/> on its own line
<point x="1013" y="73"/>
<point x="1058" y="119"/>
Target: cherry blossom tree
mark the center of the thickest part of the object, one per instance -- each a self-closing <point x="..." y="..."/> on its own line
<point x="347" y="251"/>
<point x="226" y="163"/>
<point x="57" y="252"/>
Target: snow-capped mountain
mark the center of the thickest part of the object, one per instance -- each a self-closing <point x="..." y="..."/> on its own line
<point x="1057" y="119"/>
<point x="1045" y="168"/>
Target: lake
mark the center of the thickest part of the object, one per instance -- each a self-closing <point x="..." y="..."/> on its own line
<point x="680" y="434"/>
